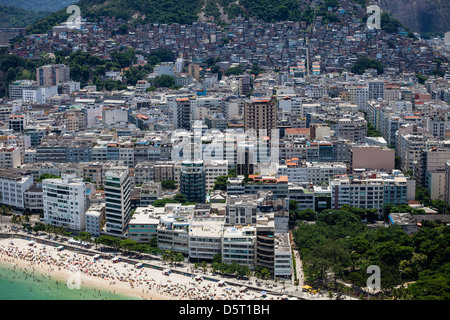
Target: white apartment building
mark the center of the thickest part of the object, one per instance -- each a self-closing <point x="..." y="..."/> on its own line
<point x="436" y="126"/>
<point x="64" y="202"/>
<point x="10" y="157"/>
<point x="215" y="169"/>
<point x="368" y="196"/>
<point x="142" y="85"/>
<point x="411" y="150"/>
<point x="93" y="115"/>
<point x="173" y="234"/>
<point x="311" y="172"/>
<point x="239" y="246"/>
<point x="39" y="95"/>
<point x="117" y="201"/>
<point x="13" y="184"/>
<point x="166" y="68"/>
<point x="95" y="215"/>
<point x="112" y="116"/>
<point x="241" y="209"/>
<point x="291" y="105"/>
<point x="205" y="238"/>
<point x="282" y="257"/>
<point x="143" y="225"/>
<point x="359" y="96"/>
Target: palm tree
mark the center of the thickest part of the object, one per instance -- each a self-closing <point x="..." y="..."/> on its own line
<point x="204" y="266"/>
<point x="14" y="219"/>
<point x="330" y="294"/>
<point x="4" y="210"/>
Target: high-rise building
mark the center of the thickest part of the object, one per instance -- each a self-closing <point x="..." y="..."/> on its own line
<point x="376" y="89"/>
<point x="117" y="201"/>
<point x="64" y="202"/>
<point x="52" y="75"/>
<point x="260" y="114"/>
<point x="193" y="181"/>
<point x="182" y="112"/>
<point x="244" y="85"/>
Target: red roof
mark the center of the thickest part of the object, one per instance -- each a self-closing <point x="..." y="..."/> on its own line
<point x="297" y="131"/>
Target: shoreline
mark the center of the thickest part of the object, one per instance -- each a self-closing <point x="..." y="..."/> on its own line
<point x="115" y="278"/>
<point x="87" y="282"/>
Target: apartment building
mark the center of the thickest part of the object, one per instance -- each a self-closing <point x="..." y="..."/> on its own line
<point x="10" y="157"/>
<point x="310" y="172"/>
<point x="205" y="237"/>
<point x="353" y="128"/>
<point x="260" y="114"/>
<point x="64" y="202"/>
<point x="143" y="225"/>
<point x="372" y="157"/>
<point x="282" y="268"/>
<point x="95" y="215"/>
<point x="13" y="184"/>
<point x="166" y="170"/>
<point x="117" y="202"/>
<point x="52" y="75"/>
<point x="241" y="209"/>
<point x="193" y="181"/>
<point x="34" y="201"/>
<point x="173" y="233"/>
<point x="215" y="169"/>
<point x="239" y="246"/>
<point x="370" y="190"/>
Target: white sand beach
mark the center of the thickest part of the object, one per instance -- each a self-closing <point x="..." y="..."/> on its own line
<point x="119" y="277"/>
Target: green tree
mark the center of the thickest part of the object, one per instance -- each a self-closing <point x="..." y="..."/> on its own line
<point x="164" y="81"/>
<point x="233" y="71"/>
<point x="363" y="63"/>
<point x="11" y="75"/>
<point x="83" y="236"/>
<point x="123" y="28"/>
<point x="168" y="184"/>
<point x="221" y="183"/>
<point x="179" y="257"/>
<point x="217" y="258"/>
<point x="127" y="244"/>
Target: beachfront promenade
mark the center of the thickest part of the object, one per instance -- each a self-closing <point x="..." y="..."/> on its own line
<point x="186" y="269"/>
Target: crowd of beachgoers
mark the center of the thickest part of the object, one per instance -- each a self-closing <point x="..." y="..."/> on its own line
<point x="113" y="274"/>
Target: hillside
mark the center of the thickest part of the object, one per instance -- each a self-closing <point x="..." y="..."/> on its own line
<point x="189" y="11"/>
<point x="11" y="17"/>
<point x="38" y="5"/>
<point x="420" y="16"/>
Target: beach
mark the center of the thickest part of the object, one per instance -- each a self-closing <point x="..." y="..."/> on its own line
<point x="78" y="270"/>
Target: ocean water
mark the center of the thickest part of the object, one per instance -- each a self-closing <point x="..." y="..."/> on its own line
<point x="20" y="284"/>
